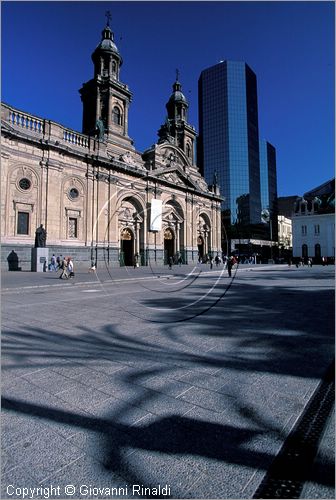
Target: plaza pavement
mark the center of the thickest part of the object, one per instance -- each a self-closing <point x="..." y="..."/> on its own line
<point x="183" y="379"/>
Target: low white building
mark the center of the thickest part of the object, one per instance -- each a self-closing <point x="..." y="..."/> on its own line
<point x="285" y="240"/>
<point x="313" y="224"/>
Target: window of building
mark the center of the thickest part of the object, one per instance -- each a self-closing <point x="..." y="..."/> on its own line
<point x="23" y="223"/>
<point x="73" y="227"/>
<point x="24" y="183"/>
<point x="73" y="193"/>
<point x="303" y="230"/>
<point x="317" y="228"/>
<point x="116" y="116"/>
<point x="114" y="67"/>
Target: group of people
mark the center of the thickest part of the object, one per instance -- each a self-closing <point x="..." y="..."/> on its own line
<point x="64" y="264"/>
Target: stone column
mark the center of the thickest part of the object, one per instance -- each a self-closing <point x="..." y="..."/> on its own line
<point x="137" y="238"/>
<point x="177" y="237"/>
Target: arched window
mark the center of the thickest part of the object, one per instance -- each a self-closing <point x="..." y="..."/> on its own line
<point x="114" y="67"/>
<point x="116" y="116"/>
<point x="304" y="251"/>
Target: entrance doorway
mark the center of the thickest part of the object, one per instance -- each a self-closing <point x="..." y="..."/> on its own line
<point x="168" y="245"/>
<point x="200" y="246"/>
<point x="126" y="247"/>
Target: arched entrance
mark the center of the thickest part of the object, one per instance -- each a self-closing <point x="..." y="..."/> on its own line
<point x="126" y="247"/>
<point x="200" y="246"/>
<point x="304" y="251"/>
<point x="169" y="246"/>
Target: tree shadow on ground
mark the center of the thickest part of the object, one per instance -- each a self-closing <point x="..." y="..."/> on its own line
<point x="238" y="334"/>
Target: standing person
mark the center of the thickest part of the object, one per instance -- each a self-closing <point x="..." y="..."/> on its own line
<point x="64" y="265"/>
<point x="136" y="260"/>
<point x="70" y="268"/>
<point x="217" y="260"/>
<point x="229" y="265"/>
<point x="180" y="260"/>
<point x="211" y="262"/>
<point x="170" y="262"/>
<point x="53" y="266"/>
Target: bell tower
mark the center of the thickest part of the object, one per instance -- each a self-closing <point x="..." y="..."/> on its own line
<point x="105" y="97"/>
<point x="176" y="128"/>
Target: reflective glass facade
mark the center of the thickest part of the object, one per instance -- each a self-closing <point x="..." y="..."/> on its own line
<point x="229" y="137"/>
<point x="268" y="182"/>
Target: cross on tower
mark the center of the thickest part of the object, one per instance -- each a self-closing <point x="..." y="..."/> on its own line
<point x="108" y="17"/>
<point x="177" y="75"/>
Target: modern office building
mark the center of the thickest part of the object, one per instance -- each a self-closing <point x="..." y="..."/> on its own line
<point x="268" y="186"/>
<point x="228" y="145"/>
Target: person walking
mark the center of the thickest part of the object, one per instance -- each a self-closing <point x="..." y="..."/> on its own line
<point x="170" y="262"/>
<point x="59" y="261"/>
<point x="136" y="260"/>
<point x="64" y="265"/>
<point x="70" y="268"/>
<point x="53" y="266"/>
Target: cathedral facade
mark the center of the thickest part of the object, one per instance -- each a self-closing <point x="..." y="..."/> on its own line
<point x="98" y="198"/>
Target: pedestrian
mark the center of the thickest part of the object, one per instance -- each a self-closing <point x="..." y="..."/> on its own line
<point x="70" y="268"/>
<point x="93" y="267"/>
<point x="64" y="265"/>
<point x="180" y="260"/>
<point x="59" y="261"/>
<point x="53" y="266"/>
<point x="136" y="260"/>
<point x="170" y="262"/>
<point x="229" y="265"/>
<point x="211" y="262"/>
<point x="217" y="260"/>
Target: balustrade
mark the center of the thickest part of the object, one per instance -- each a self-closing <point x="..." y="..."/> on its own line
<point x="26" y="121"/>
<point x="75" y="138"/>
<point x="48" y="129"/>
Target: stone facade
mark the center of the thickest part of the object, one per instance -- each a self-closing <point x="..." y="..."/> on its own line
<point x="93" y="191"/>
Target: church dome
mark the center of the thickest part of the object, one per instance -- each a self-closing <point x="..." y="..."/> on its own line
<point x="177" y="95"/>
<point x="107" y="42"/>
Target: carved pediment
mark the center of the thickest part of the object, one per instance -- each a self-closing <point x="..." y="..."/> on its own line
<point x="174" y="178"/>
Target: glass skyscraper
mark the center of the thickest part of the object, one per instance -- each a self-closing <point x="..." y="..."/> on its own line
<point x="228" y="145"/>
<point x="268" y="183"/>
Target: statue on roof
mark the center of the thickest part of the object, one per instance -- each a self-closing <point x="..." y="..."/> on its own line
<point x="100" y="129"/>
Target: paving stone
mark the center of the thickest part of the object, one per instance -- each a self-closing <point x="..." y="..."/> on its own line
<point x="51" y="382"/>
<point x="206" y="399"/>
<point x="85" y="474"/>
<point x="169" y="387"/>
<point x="42" y="454"/>
<point x="82" y="396"/>
<point x="18" y="477"/>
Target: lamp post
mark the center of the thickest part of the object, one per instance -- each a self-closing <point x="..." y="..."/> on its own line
<point x="266" y="218"/>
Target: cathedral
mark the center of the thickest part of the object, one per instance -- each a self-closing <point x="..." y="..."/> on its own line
<point x="98" y="198"/>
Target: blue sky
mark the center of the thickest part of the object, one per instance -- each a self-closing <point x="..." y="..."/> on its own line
<point x="46" y="57"/>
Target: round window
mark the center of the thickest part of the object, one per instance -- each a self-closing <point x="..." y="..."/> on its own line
<point x="24" y="183"/>
<point x="73" y="193"/>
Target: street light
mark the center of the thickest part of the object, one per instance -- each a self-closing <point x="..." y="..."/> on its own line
<point x="266" y="218"/>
